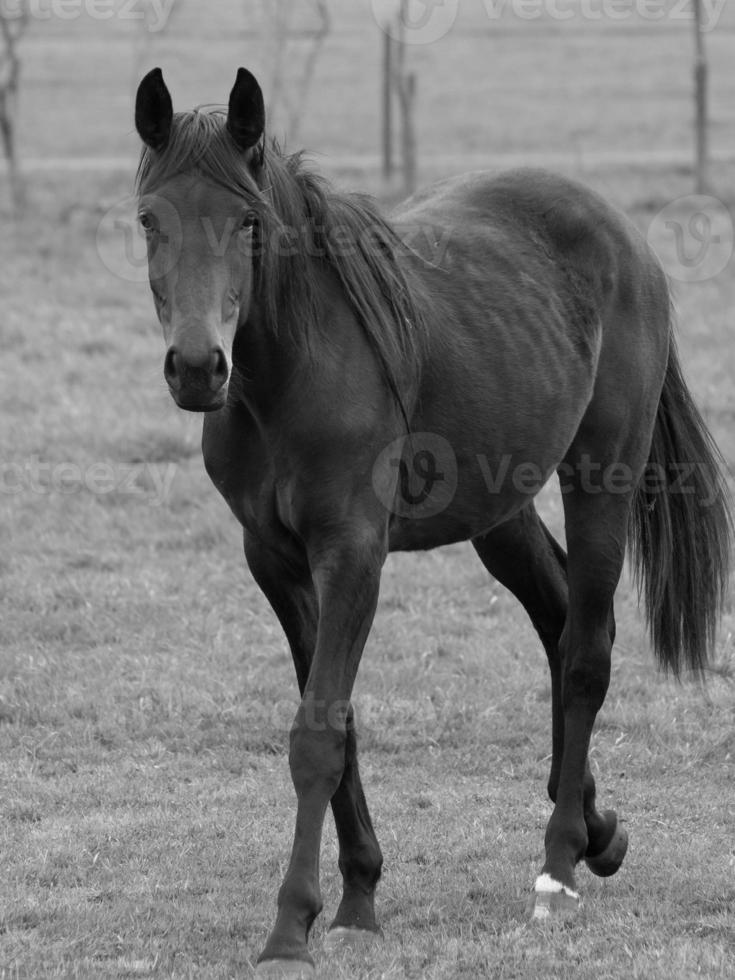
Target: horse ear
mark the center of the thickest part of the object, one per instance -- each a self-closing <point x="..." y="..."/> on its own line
<point x="154" y="110"/>
<point x="246" y="110"/>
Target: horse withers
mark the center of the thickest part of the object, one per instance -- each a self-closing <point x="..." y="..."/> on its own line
<point x="361" y="382"/>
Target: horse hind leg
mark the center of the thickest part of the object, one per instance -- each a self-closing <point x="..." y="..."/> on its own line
<point x="596" y="525"/>
<point x="607" y="840"/>
<point x="525" y="557"/>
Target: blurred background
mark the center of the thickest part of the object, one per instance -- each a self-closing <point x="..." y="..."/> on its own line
<point x="581" y="84"/>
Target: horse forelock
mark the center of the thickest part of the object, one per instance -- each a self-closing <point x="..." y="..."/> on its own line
<point x="199" y="144"/>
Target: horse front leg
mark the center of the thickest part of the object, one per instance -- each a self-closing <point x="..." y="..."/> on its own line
<point x="287" y="584"/>
<point x="346" y="578"/>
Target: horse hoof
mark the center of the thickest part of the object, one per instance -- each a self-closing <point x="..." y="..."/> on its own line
<point x="284" y="970"/>
<point x="349" y="937"/>
<point x="552" y="900"/>
<point x="608" y="861"/>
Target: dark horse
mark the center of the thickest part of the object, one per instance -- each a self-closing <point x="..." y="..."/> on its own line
<point x="375" y="386"/>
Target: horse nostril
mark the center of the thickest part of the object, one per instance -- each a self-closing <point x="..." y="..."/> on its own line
<point x="195" y="371"/>
<point x="220" y="369"/>
<point x="171" y="368"/>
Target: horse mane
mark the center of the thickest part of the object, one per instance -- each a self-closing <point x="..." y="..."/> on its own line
<point x="301" y="221"/>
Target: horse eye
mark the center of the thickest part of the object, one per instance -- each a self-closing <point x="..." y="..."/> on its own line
<point x="249" y="219"/>
<point x="146" y="221"/>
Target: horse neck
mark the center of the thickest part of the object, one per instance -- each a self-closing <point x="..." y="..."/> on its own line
<point x="270" y="354"/>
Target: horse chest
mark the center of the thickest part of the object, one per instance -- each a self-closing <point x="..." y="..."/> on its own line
<point x="239" y="465"/>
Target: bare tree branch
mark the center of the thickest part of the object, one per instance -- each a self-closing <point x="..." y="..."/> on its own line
<point x="290" y="95"/>
<point x="319" y="35"/>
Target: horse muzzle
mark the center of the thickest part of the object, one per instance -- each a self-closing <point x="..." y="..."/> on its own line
<point x="197" y="381"/>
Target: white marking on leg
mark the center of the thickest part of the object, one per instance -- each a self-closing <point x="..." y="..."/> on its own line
<point x="545" y="887"/>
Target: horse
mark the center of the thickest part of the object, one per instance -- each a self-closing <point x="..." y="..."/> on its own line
<point x="362" y="376"/>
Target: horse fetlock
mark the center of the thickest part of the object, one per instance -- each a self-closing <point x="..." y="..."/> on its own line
<point x="606" y="858"/>
<point x="363" y="868"/>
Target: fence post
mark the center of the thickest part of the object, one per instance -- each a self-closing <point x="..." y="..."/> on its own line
<point x="387" y="105"/>
<point x="406" y="86"/>
<point x="700" y="87"/>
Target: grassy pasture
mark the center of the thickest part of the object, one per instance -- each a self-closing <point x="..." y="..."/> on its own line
<point x="146" y="691"/>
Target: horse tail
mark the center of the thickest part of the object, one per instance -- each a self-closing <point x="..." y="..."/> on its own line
<point x="681" y="531"/>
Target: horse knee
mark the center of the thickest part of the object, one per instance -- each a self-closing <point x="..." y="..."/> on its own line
<point x="316" y="759"/>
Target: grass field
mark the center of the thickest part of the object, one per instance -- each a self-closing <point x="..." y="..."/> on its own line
<point x="146" y="690"/>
